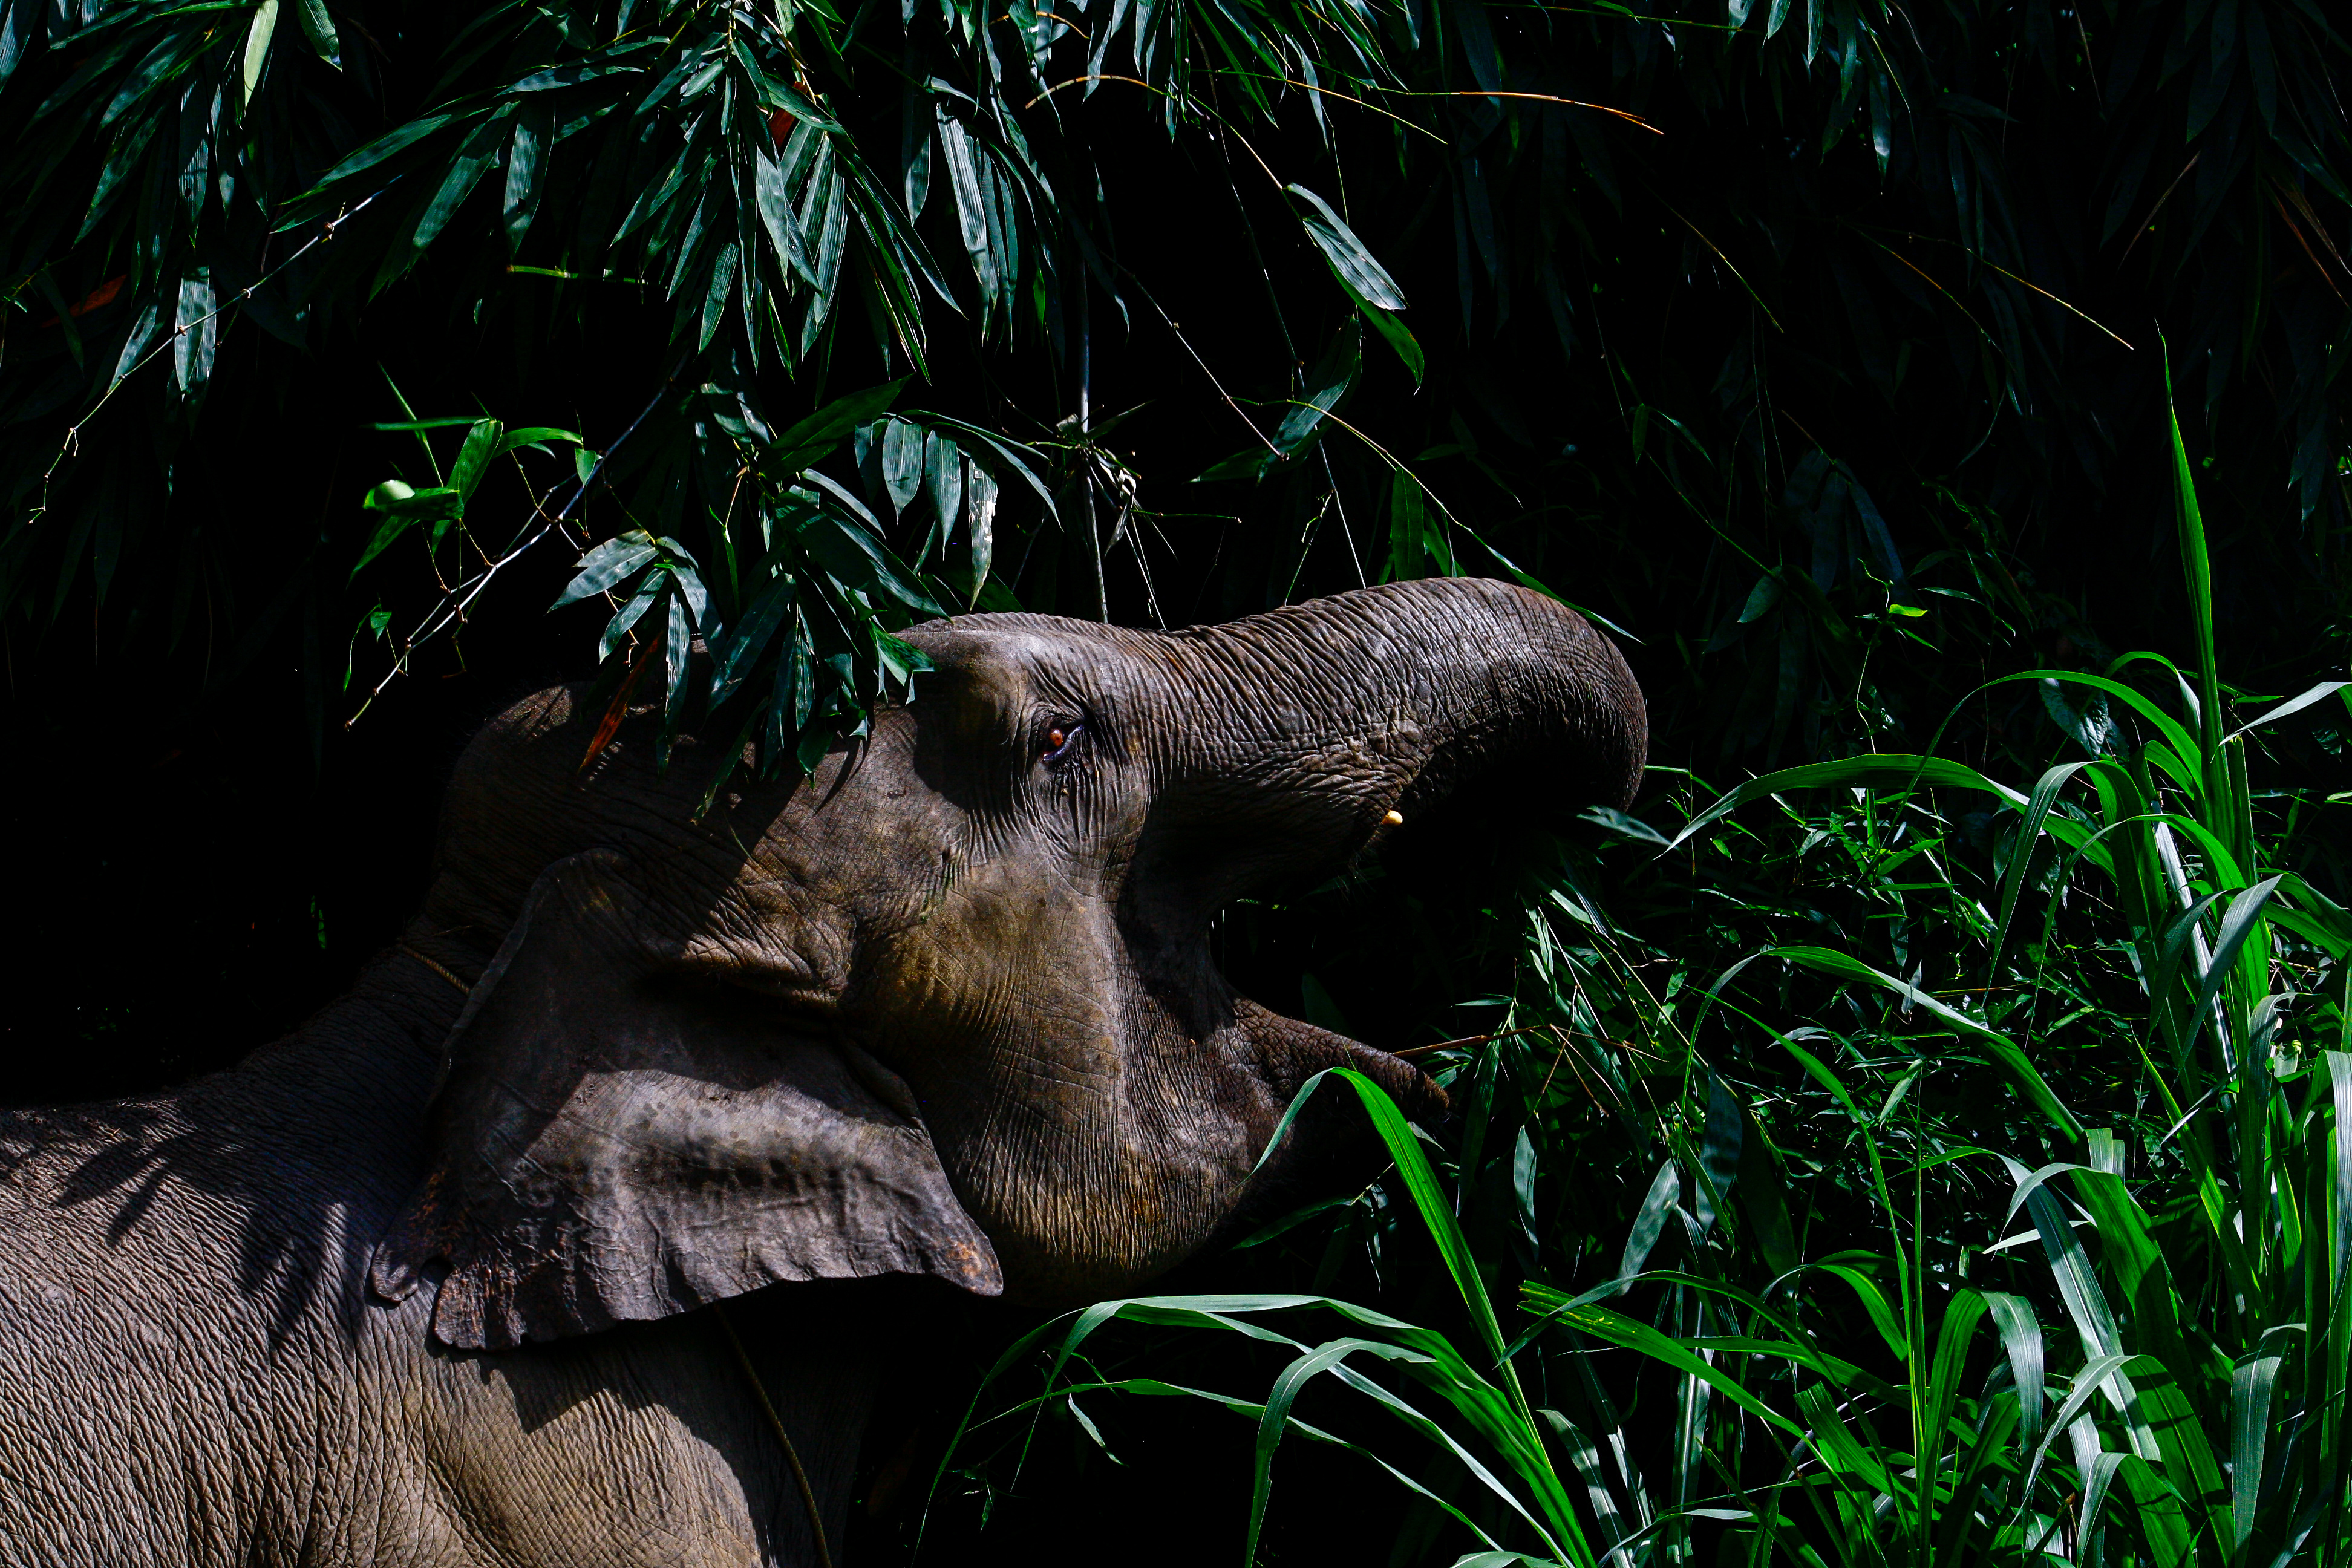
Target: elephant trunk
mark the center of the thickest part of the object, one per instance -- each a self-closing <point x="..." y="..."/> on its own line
<point x="1325" y="723"/>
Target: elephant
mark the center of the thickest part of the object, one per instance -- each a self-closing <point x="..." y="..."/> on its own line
<point x="580" y="1229"/>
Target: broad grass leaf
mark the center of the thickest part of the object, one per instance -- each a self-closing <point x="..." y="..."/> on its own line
<point x="901" y="661"/>
<point x="2028" y="1079"/>
<point x="194" y="332"/>
<point x="1963" y="1311"/>
<point x="1251" y="465"/>
<point x="1906" y="772"/>
<point x="2097" y="1480"/>
<point x="386" y="532"/>
<point x="2238" y="923"/>
<point x="2339" y="1077"/>
<point x="716" y="294"/>
<point x="1764" y="1199"/>
<point x="2095" y="1373"/>
<point x="2189" y="1463"/>
<point x="2197" y="566"/>
<point x="2292" y="705"/>
<point x="2022" y="858"/>
<point x="1649" y="1223"/>
<point x="2171" y="729"/>
<point x="2157" y="1518"/>
<point x="1812" y="1358"/>
<point x="1718" y="1160"/>
<point x="1846" y="1455"/>
<point x="161" y="64"/>
<point x="622" y="58"/>
<point x="143" y="336"/>
<point x="2252" y="1382"/>
<point x="2070" y="1265"/>
<point x="965" y="165"/>
<point x="122" y="160"/>
<point x="1277" y="1415"/>
<point x="775" y="208"/>
<point x="852" y="553"/>
<point x="1875" y="1306"/>
<point x="1584" y="1458"/>
<point x="1615" y="1328"/>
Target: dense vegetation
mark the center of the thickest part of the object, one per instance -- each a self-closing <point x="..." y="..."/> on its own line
<point x="1921" y="1131"/>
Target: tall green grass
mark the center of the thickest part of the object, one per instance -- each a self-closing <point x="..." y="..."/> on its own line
<point x="2046" y="1265"/>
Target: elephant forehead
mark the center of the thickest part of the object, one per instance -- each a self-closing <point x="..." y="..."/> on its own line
<point x="1025" y="658"/>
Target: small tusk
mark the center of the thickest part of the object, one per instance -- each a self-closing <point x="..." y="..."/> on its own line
<point x="1394" y="819"/>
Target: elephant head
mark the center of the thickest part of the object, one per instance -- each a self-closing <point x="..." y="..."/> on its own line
<point x="946" y="1007"/>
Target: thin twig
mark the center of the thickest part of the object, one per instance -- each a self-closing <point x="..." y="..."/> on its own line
<point x="1533" y="96"/>
<point x="776" y="1423"/>
<point x="1344" y="98"/>
<point x="2150" y="223"/>
<point x="1411" y="1051"/>
<point x="453" y="602"/>
<point x="73" y="432"/>
<point x="2013" y="278"/>
<point x="1735" y="270"/>
<point x="1178" y="334"/>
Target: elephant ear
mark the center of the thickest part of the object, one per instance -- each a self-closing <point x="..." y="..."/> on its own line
<point x="614" y="1141"/>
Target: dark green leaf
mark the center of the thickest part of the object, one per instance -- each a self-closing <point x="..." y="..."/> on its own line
<point x="902" y="461"/>
<point x="817" y="438"/>
<point x="320" y="28"/>
<point x="483" y="444"/>
<point x="1365" y="277"/>
<point x="605" y="565"/>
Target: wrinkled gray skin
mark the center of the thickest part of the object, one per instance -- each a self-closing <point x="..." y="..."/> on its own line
<point x="418" y="1284"/>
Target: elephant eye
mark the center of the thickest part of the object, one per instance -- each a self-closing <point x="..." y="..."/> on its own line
<point x="1060" y="737"/>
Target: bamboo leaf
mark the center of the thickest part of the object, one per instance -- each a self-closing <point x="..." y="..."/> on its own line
<point x="320" y="28"/>
<point x="258" y="35"/>
<point x="483" y="444"/>
<point x="606" y="565"/>
<point x="1346" y="255"/>
<point x="817" y="438"/>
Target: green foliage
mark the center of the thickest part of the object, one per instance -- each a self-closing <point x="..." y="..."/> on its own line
<point x="1820" y="279"/>
<point x="688" y="151"/>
